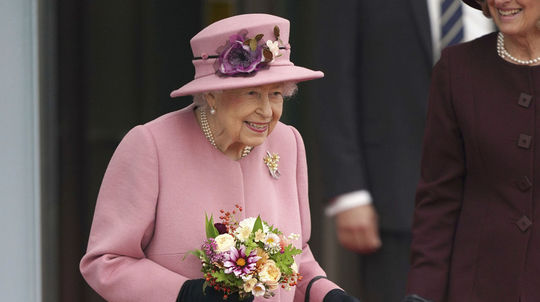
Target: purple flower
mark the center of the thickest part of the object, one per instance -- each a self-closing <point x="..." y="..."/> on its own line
<point x="209" y="248"/>
<point x="239" y="58"/>
<point x="238" y="263"/>
<point x="222" y="229"/>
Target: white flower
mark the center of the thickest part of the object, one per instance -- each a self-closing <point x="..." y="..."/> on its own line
<point x="224" y="242"/>
<point x="242" y="233"/>
<point x="247" y="222"/>
<point x="259" y="236"/>
<point x="258" y="290"/>
<point x="294" y="267"/>
<point x="272" y="285"/>
<point x="272" y="240"/>
<point x="249" y="285"/>
<point x="293" y="236"/>
<point x="274" y="48"/>
<point x="270" y="273"/>
<point x="250" y="222"/>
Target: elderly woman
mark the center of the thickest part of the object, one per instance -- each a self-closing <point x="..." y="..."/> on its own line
<point x="166" y="174"/>
<point x="476" y="226"/>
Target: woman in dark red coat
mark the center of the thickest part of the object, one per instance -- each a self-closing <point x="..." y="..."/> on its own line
<point x="476" y="232"/>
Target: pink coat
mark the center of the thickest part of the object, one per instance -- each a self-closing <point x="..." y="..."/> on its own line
<point x="162" y="179"/>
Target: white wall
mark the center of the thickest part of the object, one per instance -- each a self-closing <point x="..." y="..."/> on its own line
<point x="19" y="153"/>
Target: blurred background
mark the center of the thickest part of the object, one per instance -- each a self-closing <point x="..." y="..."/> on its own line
<point x="75" y="76"/>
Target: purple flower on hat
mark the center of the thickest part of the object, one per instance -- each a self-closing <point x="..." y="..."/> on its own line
<point x="238" y="263"/>
<point x="243" y="55"/>
<point x="240" y="58"/>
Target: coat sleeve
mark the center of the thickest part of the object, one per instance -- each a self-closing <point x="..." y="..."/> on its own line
<point x="337" y="104"/>
<point x="308" y="266"/>
<point x="439" y="192"/>
<point x="115" y="264"/>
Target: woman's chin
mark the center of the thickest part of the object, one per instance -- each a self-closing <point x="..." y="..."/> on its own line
<point x="255" y="140"/>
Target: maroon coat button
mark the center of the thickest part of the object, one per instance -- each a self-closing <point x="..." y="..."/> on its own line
<point x="523" y="183"/>
<point x="525" y="100"/>
<point x="524" y="223"/>
<point x="524" y="141"/>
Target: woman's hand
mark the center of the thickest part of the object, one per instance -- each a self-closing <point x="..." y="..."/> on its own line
<point x="337" y="295"/>
<point x="192" y="291"/>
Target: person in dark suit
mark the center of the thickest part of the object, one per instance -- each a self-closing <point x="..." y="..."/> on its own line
<point x="476" y="221"/>
<point x="372" y="108"/>
<point x="378" y="57"/>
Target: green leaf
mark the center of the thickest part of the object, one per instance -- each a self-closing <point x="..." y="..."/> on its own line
<point x="250" y="245"/>
<point x="275" y="230"/>
<point x="211" y="231"/>
<point x="205" y="285"/>
<point x="259" y="37"/>
<point x="197" y="253"/>
<point x="258" y="225"/>
<point x="285" y="260"/>
<point x="228" y="280"/>
<point x="253" y="44"/>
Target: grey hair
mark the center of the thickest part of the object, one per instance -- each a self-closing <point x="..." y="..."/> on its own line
<point x="289" y="89"/>
<point x="200" y="101"/>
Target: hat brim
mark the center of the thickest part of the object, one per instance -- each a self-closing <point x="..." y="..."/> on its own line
<point x="274" y="74"/>
<point x="473" y="3"/>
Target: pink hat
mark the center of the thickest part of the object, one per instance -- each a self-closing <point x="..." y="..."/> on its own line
<point x="243" y="51"/>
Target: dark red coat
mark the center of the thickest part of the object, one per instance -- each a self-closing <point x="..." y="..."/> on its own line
<point x="476" y="232"/>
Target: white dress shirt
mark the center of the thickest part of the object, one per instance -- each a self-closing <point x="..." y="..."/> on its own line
<point x="475" y="24"/>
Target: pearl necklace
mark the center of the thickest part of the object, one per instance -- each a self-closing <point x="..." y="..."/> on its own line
<point x="503" y="53"/>
<point x="210" y="136"/>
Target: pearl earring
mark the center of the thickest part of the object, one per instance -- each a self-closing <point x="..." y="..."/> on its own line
<point x="212" y="110"/>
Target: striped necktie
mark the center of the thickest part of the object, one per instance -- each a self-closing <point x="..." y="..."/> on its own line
<point x="451" y="22"/>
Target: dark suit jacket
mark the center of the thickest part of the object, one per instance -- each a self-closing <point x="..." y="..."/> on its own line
<point x="377" y="60"/>
<point x="476" y="227"/>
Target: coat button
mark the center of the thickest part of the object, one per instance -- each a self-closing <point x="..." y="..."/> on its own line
<point x="524" y="141"/>
<point x="525" y="100"/>
<point x="524" y="223"/>
<point x="524" y="183"/>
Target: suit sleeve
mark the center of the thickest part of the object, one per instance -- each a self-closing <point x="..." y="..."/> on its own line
<point x="439" y="192"/>
<point x="337" y="99"/>
<point x="308" y="266"/>
<point x="115" y="264"/>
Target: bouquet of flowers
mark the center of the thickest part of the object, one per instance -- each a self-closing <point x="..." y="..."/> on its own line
<point x="248" y="257"/>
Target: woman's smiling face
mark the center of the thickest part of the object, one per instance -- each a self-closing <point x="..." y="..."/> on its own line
<point x="515" y="17"/>
<point x="245" y="116"/>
